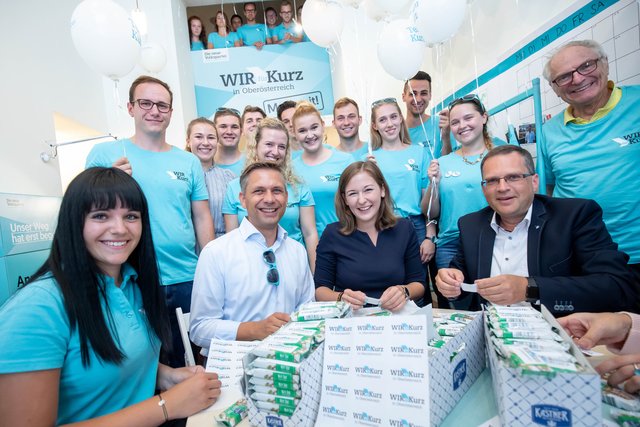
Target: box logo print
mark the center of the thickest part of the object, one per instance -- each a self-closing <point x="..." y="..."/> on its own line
<point x="550" y="415"/>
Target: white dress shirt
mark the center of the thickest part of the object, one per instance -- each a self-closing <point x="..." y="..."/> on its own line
<point x="230" y="284"/>
<point x="510" y="248"/>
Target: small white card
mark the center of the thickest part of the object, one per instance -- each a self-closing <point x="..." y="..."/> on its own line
<point x="469" y="287"/>
<point x="372" y="301"/>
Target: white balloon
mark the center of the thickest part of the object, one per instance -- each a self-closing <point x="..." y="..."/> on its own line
<point x="352" y="3"/>
<point x="322" y="22"/>
<point x="374" y="11"/>
<point x="153" y="57"/>
<point x="401" y="49"/>
<point x="391" y="7"/>
<point x="105" y="37"/>
<point x="438" y="20"/>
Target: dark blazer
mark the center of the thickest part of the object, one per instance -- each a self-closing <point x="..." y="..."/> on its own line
<point x="570" y="254"/>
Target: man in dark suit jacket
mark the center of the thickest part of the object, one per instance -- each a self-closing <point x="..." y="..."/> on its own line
<point x="528" y="247"/>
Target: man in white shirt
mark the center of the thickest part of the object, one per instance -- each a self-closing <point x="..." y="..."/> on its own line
<point x="528" y="247"/>
<point x="252" y="277"/>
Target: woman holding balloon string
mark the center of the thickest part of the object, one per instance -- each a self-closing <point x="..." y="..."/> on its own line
<point x="404" y="167"/>
<point x="455" y="178"/>
<point x="81" y="341"/>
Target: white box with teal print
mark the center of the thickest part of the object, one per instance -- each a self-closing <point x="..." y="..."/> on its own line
<point x="564" y="400"/>
<point x="454" y="368"/>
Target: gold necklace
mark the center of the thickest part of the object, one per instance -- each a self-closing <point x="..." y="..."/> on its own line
<point x="480" y="157"/>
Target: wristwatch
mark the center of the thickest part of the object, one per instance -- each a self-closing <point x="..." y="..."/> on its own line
<point x="407" y="295"/>
<point x="533" y="292"/>
<point x="432" y="238"/>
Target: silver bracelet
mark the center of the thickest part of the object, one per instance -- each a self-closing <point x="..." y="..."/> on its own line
<point x="162" y="404"/>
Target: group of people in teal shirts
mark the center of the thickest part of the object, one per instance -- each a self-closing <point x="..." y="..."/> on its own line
<point x="253" y="33"/>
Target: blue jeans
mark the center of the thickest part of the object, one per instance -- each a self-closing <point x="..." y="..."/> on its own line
<point x="421" y="233"/>
<point x="176" y="295"/>
<point x="445" y="253"/>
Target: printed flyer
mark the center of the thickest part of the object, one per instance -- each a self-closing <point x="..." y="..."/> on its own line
<point x="375" y="372"/>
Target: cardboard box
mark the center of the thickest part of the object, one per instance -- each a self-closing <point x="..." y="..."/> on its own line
<point x="307" y="410"/>
<point x="566" y="400"/>
<point x="454" y="368"/>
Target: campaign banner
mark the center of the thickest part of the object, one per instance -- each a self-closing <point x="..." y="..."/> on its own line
<point x="240" y="76"/>
<point x="27" y="223"/>
<point x="375" y="372"/>
<point x="16" y="271"/>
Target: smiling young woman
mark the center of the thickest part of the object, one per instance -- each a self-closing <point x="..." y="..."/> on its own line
<point x="81" y="341"/>
<point x="368" y="230"/>
<point x="319" y="165"/>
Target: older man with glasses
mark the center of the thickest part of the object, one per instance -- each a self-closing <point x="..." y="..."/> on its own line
<point x="534" y="248"/>
<point x="249" y="280"/>
<point x="592" y="148"/>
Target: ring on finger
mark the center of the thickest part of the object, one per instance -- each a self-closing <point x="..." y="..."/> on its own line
<point x="636" y="369"/>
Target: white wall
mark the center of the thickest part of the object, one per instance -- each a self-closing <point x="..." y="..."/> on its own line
<point x="41" y="73"/>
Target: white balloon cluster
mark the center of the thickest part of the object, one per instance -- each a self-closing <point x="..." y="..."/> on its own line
<point x="109" y="41"/>
<point x="402" y="42"/>
<point x="105" y="37"/>
<point x="438" y="20"/>
<point x="409" y="27"/>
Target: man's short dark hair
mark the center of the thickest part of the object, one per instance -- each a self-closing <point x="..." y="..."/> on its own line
<point x="270" y="9"/>
<point x="504" y="150"/>
<point x="249" y="3"/>
<point x="148" y="79"/>
<point x="420" y="75"/>
<point x="285" y="106"/>
<point x="244" y="177"/>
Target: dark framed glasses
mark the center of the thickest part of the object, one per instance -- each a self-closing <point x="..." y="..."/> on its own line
<point x="384" y="101"/>
<point x="509" y="179"/>
<point x="273" y="276"/>
<point x="584" y="70"/>
<point x="472" y="97"/>
<point x="147" y="105"/>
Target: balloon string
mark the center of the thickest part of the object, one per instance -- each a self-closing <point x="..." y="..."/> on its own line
<point x="473" y="42"/>
<point x="424" y="129"/>
<point x="359" y="84"/>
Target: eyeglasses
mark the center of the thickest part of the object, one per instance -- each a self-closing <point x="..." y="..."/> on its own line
<point x="509" y="179"/>
<point x="384" y="101"/>
<point x="226" y="109"/>
<point x="146" y="104"/>
<point x="472" y="97"/>
<point x="273" y="277"/>
<point x="584" y="70"/>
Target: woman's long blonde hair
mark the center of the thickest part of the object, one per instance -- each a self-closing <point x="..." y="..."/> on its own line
<point x="252" y="149"/>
